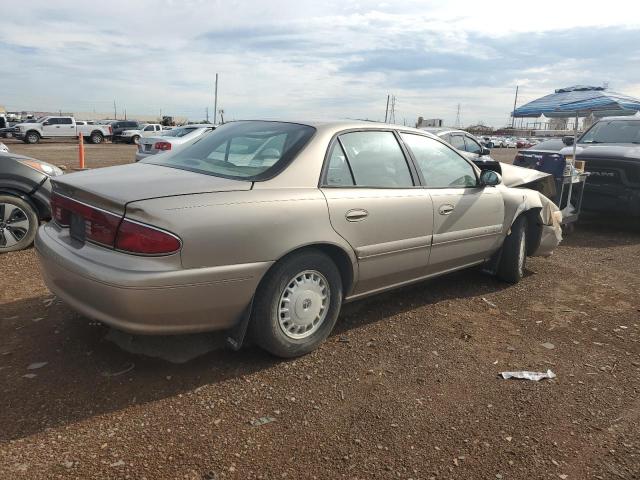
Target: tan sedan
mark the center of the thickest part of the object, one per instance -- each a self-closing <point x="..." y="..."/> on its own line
<point x="268" y="227"/>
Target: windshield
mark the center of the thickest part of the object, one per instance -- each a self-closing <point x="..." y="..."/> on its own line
<point x="613" y="131"/>
<point x="244" y="150"/>
<point x="180" y="132"/>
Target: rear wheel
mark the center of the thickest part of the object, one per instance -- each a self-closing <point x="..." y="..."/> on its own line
<point x="18" y="223"/>
<point x="514" y="252"/>
<point x="297" y="304"/>
<point x="97" y="137"/>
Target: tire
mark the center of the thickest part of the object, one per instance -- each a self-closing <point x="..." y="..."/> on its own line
<point x="18" y="223"/>
<point x="32" y="137"/>
<point x="96" y="138"/>
<point x="310" y="283"/>
<point x="135" y="139"/>
<point x="514" y="252"/>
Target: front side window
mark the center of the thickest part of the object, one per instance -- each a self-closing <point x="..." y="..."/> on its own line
<point x="376" y="159"/>
<point x="472" y="146"/>
<point x="53" y="121"/>
<point x="441" y="166"/>
<point x="244" y="150"/>
<point x="149" y="128"/>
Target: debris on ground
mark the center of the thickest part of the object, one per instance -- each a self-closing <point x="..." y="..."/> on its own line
<point x="491" y="304"/>
<point x="121" y="372"/>
<point x="524" y="375"/>
<point x="36" y="365"/>
<point x="548" y="345"/>
<point x="256" y="422"/>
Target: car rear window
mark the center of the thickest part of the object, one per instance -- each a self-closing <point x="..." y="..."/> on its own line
<point x="252" y="150"/>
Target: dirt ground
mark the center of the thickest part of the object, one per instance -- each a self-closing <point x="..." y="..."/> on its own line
<point x="406" y="387"/>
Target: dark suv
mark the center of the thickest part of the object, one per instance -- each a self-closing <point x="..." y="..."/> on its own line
<point x="119" y="126"/>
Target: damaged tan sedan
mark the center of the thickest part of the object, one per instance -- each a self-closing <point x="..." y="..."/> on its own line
<point x="266" y="228"/>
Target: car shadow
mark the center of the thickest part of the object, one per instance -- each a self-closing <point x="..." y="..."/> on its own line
<point x="91" y="370"/>
<point x="603" y="231"/>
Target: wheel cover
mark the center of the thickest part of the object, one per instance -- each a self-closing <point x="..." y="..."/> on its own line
<point x="14" y="225"/>
<point x="304" y="304"/>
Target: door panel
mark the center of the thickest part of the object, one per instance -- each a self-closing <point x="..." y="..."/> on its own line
<point x="389" y="229"/>
<point x="467" y="226"/>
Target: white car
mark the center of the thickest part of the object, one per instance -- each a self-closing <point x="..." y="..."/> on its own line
<point x="170" y="139"/>
<point x="145" y="130"/>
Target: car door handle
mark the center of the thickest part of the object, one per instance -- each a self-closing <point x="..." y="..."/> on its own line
<point x="356" y="215"/>
<point x="446" y="209"/>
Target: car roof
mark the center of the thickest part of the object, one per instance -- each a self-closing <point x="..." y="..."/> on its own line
<point x="634" y="118"/>
<point x="439" y="131"/>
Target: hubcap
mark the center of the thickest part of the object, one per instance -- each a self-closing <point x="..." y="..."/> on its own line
<point x="304" y="304"/>
<point x="14" y="225"/>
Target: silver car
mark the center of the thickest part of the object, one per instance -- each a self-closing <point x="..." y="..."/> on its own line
<point x="268" y="227"/>
<point x="168" y="140"/>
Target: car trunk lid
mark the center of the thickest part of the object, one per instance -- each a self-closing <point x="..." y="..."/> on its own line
<point x="113" y="188"/>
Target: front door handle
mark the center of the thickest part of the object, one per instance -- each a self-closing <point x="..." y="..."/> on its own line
<point x="356" y="215"/>
<point x="446" y="209"/>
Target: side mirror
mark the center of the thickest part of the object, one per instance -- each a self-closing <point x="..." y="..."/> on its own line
<point x="489" y="178"/>
<point x="484" y="151"/>
<point x="568" y="140"/>
<point x="46" y="123"/>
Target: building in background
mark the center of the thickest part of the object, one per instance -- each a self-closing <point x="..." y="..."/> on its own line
<point x="429" y="122"/>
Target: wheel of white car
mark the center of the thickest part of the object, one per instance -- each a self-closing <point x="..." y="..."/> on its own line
<point x="297" y="304"/>
<point x="135" y="139"/>
<point x="32" y="137"/>
<point x="18" y="223"/>
<point x="97" y="137"/>
<point x="514" y="252"/>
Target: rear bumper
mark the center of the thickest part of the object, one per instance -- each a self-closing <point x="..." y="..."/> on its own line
<point x="141" y="155"/>
<point x="611" y="199"/>
<point x="146" y="301"/>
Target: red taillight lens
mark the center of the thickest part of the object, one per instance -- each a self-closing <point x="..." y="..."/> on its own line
<point x="60" y="213"/>
<point x="135" y="237"/>
<point x="162" y="146"/>
<point x="100" y="226"/>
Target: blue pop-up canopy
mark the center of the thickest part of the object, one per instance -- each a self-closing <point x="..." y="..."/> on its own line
<point x="579" y="100"/>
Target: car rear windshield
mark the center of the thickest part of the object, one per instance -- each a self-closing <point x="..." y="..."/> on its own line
<point x="180" y="132"/>
<point x="613" y="131"/>
<point x="252" y="150"/>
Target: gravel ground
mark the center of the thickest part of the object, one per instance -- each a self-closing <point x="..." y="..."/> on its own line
<point x="406" y="387"/>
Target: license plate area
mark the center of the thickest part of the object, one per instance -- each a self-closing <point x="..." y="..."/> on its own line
<point x="78" y="228"/>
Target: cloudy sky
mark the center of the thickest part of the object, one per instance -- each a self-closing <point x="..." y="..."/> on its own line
<point x="317" y="59"/>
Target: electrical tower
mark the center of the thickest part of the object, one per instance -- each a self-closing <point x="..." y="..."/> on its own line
<point x="458" y="123"/>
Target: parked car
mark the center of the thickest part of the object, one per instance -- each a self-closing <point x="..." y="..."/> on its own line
<point x="145" y="130"/>
<point x="610" y="150"/>
<point x="60" y="127"/>
<point x="25" y="188"/>
<point x="119" y="126"/>
<point x="468" y="145"/>
<point x="270" y="226"/>
<point x="170" y="139"/>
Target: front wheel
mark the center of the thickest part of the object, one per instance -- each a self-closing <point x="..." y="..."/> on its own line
<point x="297" y="304"/>
<point x="514" y="252"/>
<point x="135" y="139"/>
<point x="32" y="137"/>
<point x="18" y="224"/>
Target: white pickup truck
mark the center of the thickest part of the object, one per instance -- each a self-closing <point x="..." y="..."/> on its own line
<point x="60" y="127"/>
<point x="133" y="135"/>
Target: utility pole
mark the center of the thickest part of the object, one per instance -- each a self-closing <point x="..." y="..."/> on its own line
<point x="207" y="114"/>
<point x="386" y="112"/>
<point x="513" y="118"/>
<point x="115" y="111"/>
<point x="392" y="112"/>
<point x="125" y="113"/>
<point x="458" y="123"/>
<point x="215" y="102"/>
<point x="221" y="111"/>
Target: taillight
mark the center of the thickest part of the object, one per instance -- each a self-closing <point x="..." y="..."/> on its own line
<point x="100" y="226"/>
<point x="162" y="146"/>
<point x="519" y="157"/>
<point x="135" y="237"/>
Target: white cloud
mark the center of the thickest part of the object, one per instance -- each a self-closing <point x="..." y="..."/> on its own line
<point x="307" y="58"/>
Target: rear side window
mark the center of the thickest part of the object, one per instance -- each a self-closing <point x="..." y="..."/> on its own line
<point x="339" y="173"/>
<point x="376" y="160"/>
<point x="243" y="150"/>
<point x="457" y="141"/>
<point x="440" y="166"/>
<point x="65" y="121"/>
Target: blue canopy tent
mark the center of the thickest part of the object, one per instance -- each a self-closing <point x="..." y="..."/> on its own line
<point x="579" y="100"/>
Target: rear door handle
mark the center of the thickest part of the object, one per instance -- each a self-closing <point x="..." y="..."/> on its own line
<point x="446" y="209"/>
<point x="356" y="215"/>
